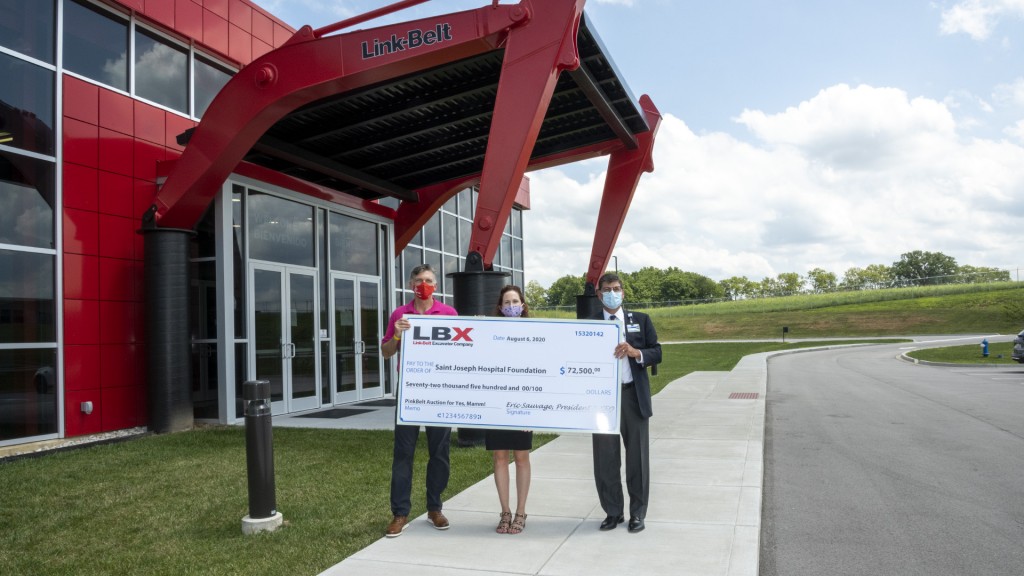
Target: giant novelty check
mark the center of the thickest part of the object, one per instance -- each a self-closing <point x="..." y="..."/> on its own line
<point x="539" y="374"/>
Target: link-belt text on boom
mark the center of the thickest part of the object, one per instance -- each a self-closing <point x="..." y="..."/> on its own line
<point x="413" y="39"/>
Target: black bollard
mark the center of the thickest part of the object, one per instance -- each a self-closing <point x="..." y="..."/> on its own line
<point x="259" y="457"/>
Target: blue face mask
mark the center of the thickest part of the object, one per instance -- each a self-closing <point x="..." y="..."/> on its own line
<point x="611" y="300"/>
<point x="512" y="311"/>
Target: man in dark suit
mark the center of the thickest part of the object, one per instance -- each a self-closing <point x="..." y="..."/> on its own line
<point x="637" y="349"/>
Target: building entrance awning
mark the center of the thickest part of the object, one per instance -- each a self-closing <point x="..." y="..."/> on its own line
<point x="420" y="110"/>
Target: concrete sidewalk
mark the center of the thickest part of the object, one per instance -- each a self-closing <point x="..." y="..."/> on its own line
<point x="705" y="508"/>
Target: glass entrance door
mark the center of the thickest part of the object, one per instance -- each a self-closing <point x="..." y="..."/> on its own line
<point x="284" y="332"/>
<point x="356" y="314"/>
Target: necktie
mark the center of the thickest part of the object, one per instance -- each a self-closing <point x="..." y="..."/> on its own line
<point x="623" y="362"/>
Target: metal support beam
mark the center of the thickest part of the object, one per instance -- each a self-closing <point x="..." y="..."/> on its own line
<point x="303" y="70"/>
<point x="285" y="151"/>
<point x="624" y="170"/>
<point x="536" y="53"/>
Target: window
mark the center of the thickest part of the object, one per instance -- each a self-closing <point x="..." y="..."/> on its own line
<point x="280" y="230"/>
<point x="209" y="79"/>
<point x="26" y="105"/>
<point x="26" y="201"/>
<point x="28" y="27"/>
<point x="96" y="44"/>
<point x="354" y="245"/>
<point x="27" y="308"/>
<point x="96" y="47"/>
<point x="28" y="385"/>
<point x="161" y="71"/>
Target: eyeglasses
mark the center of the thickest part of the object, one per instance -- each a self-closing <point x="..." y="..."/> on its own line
<point x="608" y="289"/>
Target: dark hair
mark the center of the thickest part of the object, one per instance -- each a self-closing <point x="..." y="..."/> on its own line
<point x="517" y="290"/>
<point x="607" y="278"/>
<point x="420" y="269"/>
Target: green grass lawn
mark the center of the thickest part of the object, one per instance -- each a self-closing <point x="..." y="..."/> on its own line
<point x="173" y="504"/>
<point x="953" y="309"/>
<point x="967" y="354"/>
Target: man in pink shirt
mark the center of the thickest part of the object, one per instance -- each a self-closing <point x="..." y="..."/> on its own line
<point x="423" y="281"/>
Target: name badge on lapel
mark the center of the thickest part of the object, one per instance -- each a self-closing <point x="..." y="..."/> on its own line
<point x="633" y="328"/>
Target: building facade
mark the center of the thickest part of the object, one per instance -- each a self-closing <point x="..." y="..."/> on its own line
<point x="284" y="287"/>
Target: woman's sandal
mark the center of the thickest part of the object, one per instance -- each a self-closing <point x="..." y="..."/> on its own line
<point x="518" y="525"/>
<point x="504" y="523"/>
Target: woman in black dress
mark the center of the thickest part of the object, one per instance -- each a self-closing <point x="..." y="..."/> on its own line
<point x="511" y="303"/>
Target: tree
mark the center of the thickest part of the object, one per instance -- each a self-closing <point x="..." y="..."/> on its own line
<point x="874" y="276"/>
<point x="790" y="282"/>
<point x="919" y="268"/>
<point x="738" y="287"/>
<point x="980" y="274"/>
<point x="769" y="287"/>
<point x="682" y="285"/>
<point x="563" y="292"/>
<point x="535" y="293"/>
<point x="821" y="281"/>
<point x="644" y="285"/>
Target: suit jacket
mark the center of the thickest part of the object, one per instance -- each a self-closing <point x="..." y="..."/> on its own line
<point x="646" y="341"/>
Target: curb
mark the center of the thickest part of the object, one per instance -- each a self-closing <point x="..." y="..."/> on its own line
<point x="903" y="356"/>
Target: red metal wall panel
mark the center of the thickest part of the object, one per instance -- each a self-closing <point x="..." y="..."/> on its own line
<point x="188" y="18"/>
<point x="81" y="100"/>
<point x="81" y="367"/>
<point x="112" y="145"/>
<point x="80" y="187"/>
<point x="77" y="423"/>
<point x="218" y="7"/>
<point x="116" y="112"/>
<point x="81" y="232"/>
<point x="149" y="122"/>
<point x="239" y="44"/>
<point x="262" y="27"/>
<point x="161" y="12"/>
<point x="81" y="277"/>
<point x="117" y="365"/>
<point x="120" y="407"/>
<point x="147" y="154"/>
<point x="118" y="322"/>
<point x="115" y="152"/>
<point x="81" y="143"/>
<point x="215" y="31"/>
<point x="117" y="279"/>
<point x="81" y="321"/>
<point x="116" y="195"/>
<point x="240" y="14"/>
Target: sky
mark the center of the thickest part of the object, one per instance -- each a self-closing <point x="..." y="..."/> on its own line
<point x="796" y="134"/>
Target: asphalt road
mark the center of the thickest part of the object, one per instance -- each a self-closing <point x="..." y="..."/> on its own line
<point x="875" y="466"/>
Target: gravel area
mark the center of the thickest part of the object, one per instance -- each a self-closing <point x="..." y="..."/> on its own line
<point x="37" y="448"/>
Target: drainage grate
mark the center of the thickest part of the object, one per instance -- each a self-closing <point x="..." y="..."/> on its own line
<point x="743" y="396"/>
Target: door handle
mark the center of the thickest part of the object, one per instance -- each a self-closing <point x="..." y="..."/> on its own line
<point x="288" y="350"/>
<point x="359" y="346"/>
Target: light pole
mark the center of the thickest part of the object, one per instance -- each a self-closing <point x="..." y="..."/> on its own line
<point x="616" y="258"/>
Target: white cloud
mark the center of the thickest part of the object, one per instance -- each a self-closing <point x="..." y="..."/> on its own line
<point x="851" y="177"/>
<point x="977" y="18"/>
<point x="1010" y="94"/>
<point x="1016" y="131"/>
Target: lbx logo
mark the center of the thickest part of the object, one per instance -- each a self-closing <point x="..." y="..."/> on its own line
<point x="443" y="334"/>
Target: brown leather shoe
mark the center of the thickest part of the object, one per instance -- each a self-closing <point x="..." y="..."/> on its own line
<point x="397" y="526"/>
<point x="437" y="520"/>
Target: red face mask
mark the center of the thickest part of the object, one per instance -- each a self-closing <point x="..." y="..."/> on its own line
<point x="423" y="291"/>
